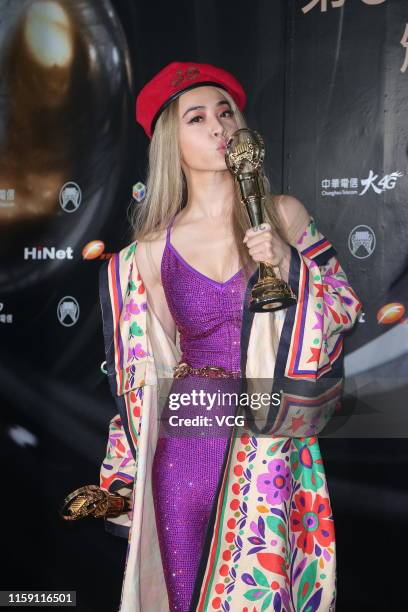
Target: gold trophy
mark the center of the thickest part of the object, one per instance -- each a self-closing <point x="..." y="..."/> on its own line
<point x="91" y="500"/>
<point x="244" y="156"/>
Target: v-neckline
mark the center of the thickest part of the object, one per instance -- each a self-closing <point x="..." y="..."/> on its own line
<point x="211" y="280"/>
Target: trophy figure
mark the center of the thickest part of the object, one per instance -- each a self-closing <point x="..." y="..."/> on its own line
<point x="244" y="156"/>
<point x="91" y="500"/>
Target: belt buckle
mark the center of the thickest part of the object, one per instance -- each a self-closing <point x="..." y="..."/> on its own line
<point x="215" y="372"/>
<point x="208" y="371"/>
<point x="181" y="369"/>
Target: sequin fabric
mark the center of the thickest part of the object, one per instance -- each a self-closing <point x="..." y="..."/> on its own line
<point x="188" y="461"/>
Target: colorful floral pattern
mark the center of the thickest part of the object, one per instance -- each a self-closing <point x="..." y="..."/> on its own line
<point x="286" y="536"/>
<point x="276" y="483"/>
<point x="306" y="462"/>
<point x="311" y="520"/>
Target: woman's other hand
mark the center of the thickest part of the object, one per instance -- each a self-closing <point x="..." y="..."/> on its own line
<point x="265" y="244"/>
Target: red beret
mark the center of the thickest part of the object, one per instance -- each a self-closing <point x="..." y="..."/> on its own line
<point x="175" y="79"/>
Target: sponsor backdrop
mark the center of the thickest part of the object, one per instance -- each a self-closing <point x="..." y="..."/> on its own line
<point x="327" y="84"/>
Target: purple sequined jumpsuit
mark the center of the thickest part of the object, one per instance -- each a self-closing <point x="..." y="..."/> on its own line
<point x="188" y="461"/>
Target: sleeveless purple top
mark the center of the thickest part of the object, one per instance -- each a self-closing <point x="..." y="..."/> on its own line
<point x="207" y="313"/>
<point x="188" y="463"/>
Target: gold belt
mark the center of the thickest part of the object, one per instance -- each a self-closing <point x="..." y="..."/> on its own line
<point x="183" y="369"/>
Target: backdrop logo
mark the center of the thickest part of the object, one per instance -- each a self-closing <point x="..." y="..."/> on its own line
<point x="390" y="313"/>
<point x="5" y="318"/>
<point x="70" y="197"/>
<point x="335" y="4"/>
<point x="139" y="191"/>
<point x="350" y="186"/>
<point x="361" y="241"/>
<point x="404" y="43"/>
<point x="388" y="181"/>
<point x="68" y="311"/>
<point x="7" y="198"/>
<point x="95" y="250"/>
<point x="47" y="253"/>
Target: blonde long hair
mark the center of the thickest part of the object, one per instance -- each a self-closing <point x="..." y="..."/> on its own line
<point x="166" y="187"/>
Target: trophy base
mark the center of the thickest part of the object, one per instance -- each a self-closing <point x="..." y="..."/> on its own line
<point x="91" y="500"/>
<point x="271" y="296"/>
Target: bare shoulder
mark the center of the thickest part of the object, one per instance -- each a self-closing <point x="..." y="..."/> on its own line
<point x="293" y="216"/>
<point x="148" y="256"/>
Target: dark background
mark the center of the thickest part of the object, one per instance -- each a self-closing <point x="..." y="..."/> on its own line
<point x="327" y="92"/>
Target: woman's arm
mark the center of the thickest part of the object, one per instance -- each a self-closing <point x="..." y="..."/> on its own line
<point x="327" y="280"/>
<point x="340" y="303"/>
<point x="327" y="306"/>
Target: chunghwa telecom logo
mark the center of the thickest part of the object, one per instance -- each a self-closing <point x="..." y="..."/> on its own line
<point x="360" y="186"/>
<point x="361" y="241"/>
<point x="68" y="311"/>
<point x="70" y="197"/>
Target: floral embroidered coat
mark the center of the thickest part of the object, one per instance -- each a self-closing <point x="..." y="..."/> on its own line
<point x="270" y="542"/>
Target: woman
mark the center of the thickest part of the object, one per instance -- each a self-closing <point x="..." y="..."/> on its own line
<point x="220" y="520"/>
